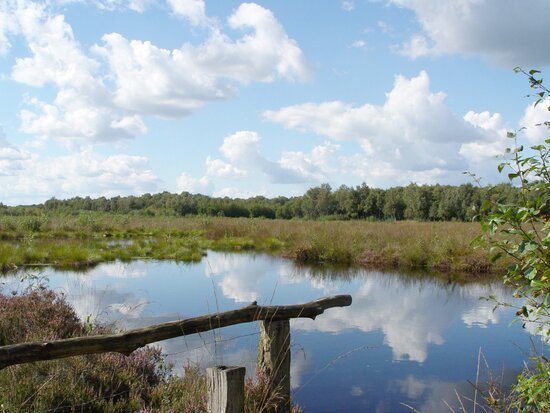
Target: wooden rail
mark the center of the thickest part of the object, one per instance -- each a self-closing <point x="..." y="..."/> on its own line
<point x="274" y="346"/>
<point x="131" y="340"/>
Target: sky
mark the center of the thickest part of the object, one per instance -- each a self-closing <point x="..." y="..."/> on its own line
<point x="223" y="98"/>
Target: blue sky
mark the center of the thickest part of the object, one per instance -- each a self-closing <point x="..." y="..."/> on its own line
<point x="119" y="97"/>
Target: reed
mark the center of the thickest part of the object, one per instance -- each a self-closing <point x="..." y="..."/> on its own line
<point x="75" y="241"/>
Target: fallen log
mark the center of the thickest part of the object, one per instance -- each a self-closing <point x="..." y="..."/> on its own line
<point x="129" y="341"/>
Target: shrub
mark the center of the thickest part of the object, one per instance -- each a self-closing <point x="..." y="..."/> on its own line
<point x="38" y="315"/>
<point x="520" y="230"/>
<point x="94" y="383"/>
<point x="32" y="223"/>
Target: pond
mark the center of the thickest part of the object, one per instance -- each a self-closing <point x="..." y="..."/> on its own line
<point x="405" y="341"/>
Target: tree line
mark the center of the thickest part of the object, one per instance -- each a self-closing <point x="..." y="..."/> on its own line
<point x="412" y="202"/>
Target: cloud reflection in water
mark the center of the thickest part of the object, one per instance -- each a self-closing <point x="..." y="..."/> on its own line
<point x="410" y="315"/>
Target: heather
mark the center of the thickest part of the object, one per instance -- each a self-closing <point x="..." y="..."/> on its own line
<point x="140" y="382"/>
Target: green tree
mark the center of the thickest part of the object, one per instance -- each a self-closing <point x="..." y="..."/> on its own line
<point x="373" y="203"/>
<point x="318" y="202"/>
<point x="418" y="200"/>
<point x="394" y="207"/>
<point x="347" y="201"/>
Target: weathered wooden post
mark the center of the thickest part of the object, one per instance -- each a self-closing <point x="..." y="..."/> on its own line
<point x="274" y="362"/>
<point x="225" y="389"/>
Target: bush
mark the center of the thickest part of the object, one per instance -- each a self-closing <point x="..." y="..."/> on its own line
<point x="38" y="315"/>
<point x="32" y="223"/>
<point x="520" y="230"/>
<point x="95" y="383"/>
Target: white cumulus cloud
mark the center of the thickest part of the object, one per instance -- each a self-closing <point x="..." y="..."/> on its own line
<point x="493" y="127"/>
<point x="509" y="32"/>
<point x="217" y="167"/>
<point x="173" y="83"/>
<point x="82" y="108"/>
<point x="243" y="149"/>
<point x="12" y="159"/>
<point x="232" y="192"/>
<point x="188" y="183"/>
<point x="313" y="167"/>
<point x="243" y="158"/>
<point x="8" y="26"/>
<point x="533" y="120"/>
<point x="192" y="10"/>
<point x="103" y="94"/>
<point x="81" y="173"/>
<point x="413" y="135"/>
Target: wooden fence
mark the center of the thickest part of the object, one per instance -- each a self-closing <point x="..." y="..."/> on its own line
<point x="225" y="384"/>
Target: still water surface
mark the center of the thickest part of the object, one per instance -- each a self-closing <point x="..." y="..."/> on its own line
<point x="404" y="341"/>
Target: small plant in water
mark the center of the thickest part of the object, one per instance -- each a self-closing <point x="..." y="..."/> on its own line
<point x="34" y="280"/>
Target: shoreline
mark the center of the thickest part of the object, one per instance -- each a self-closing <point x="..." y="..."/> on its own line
<point x="444" y="248"/>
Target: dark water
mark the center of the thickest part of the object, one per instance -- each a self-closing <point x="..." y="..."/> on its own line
<point x="404" y="341"/>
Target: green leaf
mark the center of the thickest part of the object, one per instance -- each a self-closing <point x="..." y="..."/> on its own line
<point x="477" y="240"/>
<point x="530" y="246"/>
<point x="530" y="273"/>
<point x="485" y="205"/>
<point x="524" y="311"/>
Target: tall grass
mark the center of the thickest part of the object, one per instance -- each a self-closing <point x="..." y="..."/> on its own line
<point x="84" y="240"/>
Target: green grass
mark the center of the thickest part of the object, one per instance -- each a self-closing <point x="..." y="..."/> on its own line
<point x="86" y="240"/>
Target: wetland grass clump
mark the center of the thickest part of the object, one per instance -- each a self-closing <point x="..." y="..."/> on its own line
<point x="324" y="250"/>
<point x="233" y="244"/>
